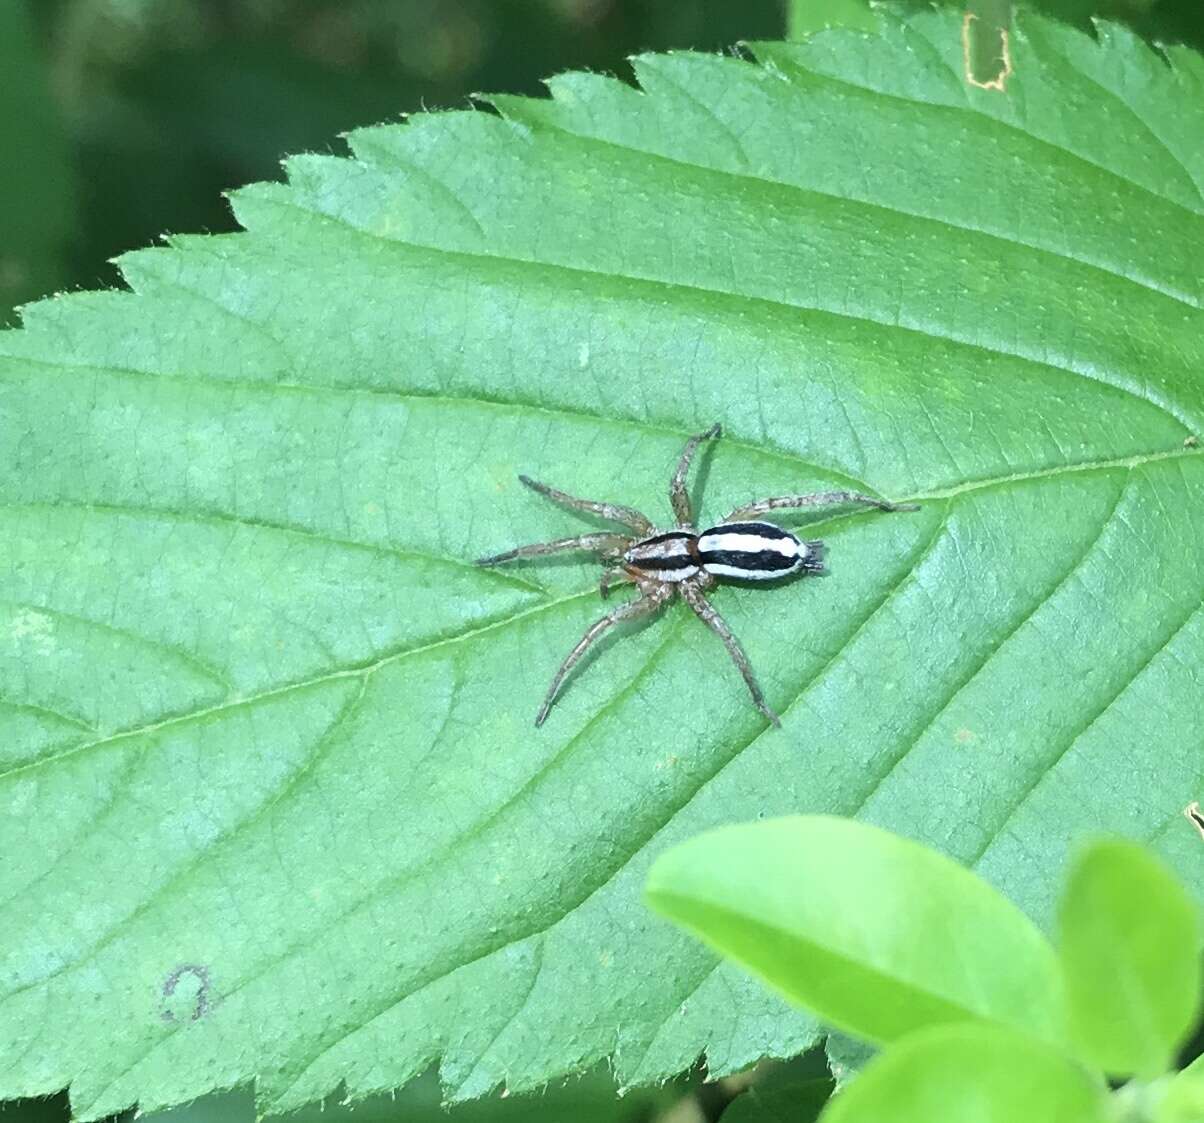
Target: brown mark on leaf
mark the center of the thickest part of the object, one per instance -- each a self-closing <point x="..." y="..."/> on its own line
<point x="1193" y="812"/>
<point x="971" y="48"/>
<point x="193" y="1001"/>
<point x="965" y="736"/>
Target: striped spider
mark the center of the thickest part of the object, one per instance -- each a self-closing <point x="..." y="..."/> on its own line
<point x="662" y="563"/>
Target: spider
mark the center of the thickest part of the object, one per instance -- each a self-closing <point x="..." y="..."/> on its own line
<point x="662" y="563"/>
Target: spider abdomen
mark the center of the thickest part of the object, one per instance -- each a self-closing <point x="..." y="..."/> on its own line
<point x="756" y="551"/>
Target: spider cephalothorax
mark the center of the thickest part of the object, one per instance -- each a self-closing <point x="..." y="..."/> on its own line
<point x="663" y="563"/>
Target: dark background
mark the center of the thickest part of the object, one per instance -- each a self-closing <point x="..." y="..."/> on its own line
<point x="121" y="120"/>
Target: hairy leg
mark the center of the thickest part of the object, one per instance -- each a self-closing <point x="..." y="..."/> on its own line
<point x="649" y="602"/>
<point x="604" y="542"/>
<point x="818" y="499"/>
<point x="610" y="578"/>
<point x="706" y="612"/>
<point x="628" y="516"/>
<point x="678" y="496"/>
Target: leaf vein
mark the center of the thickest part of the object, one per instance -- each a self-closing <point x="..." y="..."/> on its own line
<point x="45" y="711"/>
<point x="183" y="654"/>
<point x="1085" y="371"/>
<point x="1020" y="130"/>
<point x="1152" y="285"/>
<point x="993" y="649"/>
<point x="1046" y="770"/>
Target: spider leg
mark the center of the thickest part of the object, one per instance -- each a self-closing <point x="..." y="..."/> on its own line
<point x="612" y="577"/>
<point x="649" y="602"/>
<point x="605" y="542"/>
<point x="628" y="516"/>
<point x="678" y="496"/>
<point x="818" y="499"/>
<point x="706" y="612"/>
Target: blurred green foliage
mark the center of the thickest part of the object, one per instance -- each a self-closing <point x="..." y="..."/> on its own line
<point x="37" y="191"/>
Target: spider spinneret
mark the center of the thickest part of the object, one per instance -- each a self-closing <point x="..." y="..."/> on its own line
<point x="665" y="563"/>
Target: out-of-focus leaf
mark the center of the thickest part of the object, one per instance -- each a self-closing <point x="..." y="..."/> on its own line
<point x="1183" y="1098"/>
<point x="1183" y="1101"/>
<point x="970" y="1074"/>
<point x="875" y="934"/>
<point x="1130" y="948"/>
<point x="805" y="17"/>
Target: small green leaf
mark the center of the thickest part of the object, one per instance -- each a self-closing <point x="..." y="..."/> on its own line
<point x="970" y="1074"/>
<point x="1183" y="1099"/>
<point x="1130" y="943"/>
<point x="878" y="935"/>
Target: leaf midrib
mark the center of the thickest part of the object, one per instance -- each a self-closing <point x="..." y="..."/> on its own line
<point x="472" y="632"/>
<point x="768" y="449"/>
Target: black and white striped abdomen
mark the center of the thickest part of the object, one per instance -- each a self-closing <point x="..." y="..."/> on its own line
<point x="672" y="556"/>
<point x="756" y="551"/>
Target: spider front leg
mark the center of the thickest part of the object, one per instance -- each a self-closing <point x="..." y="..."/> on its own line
<point x="818" y="499"/>
<point x="695" y="596"/>
<point x="607" y="543"/>
<point x="652" y="599"/>
<point x="678" y="496"/>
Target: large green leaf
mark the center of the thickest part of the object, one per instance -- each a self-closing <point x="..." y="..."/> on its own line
<point x="273" y="806"/>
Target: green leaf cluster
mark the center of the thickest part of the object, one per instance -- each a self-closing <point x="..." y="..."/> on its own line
<point x="981" y="1017"/>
